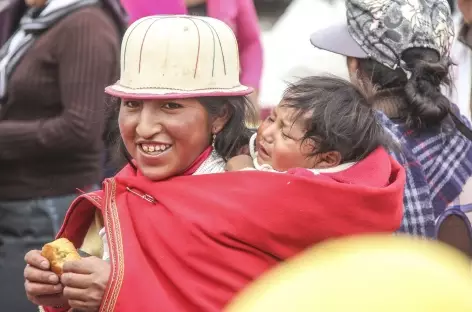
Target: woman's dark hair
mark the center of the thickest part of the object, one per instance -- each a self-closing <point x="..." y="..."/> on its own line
<point x="424" y="104"/>
<point x="235" y="133"/>
<point x="228" y="142"/>
<point x="337" y="117"/>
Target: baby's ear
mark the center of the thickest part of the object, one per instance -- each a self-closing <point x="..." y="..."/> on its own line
<point x="328" y="160"/>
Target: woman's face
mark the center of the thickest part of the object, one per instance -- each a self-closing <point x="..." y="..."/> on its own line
<point x="165" y="137"/>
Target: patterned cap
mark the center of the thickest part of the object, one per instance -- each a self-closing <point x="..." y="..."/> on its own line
<point x="384" y="29"/>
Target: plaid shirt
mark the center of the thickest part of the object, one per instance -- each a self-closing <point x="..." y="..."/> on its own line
<point x="437" y="165"/>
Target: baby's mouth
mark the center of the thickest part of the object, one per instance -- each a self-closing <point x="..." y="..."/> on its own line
<point x="262" y="153"/>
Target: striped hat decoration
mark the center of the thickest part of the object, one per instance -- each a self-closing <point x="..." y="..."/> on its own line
<point x="178" y="56"/>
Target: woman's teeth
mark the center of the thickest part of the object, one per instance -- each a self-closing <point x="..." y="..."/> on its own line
<point x="154" y="149"/>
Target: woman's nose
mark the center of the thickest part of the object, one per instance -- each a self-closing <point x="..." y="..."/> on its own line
<point x="149" y="124"/>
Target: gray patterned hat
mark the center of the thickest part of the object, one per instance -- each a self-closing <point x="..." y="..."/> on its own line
<point x="384" y="29"/>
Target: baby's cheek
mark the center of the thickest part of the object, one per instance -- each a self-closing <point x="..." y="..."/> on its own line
<point x="284" y="160"/>
<point x="278" y="161"/>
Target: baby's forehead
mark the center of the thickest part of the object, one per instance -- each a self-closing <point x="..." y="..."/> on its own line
<point x="291" y="115"/>
<point x="292" y="119"/>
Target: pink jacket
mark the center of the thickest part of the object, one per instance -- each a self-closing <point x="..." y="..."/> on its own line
<point x="240" y="15"/>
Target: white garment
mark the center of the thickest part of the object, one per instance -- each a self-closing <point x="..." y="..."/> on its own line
<point x="106" y="249"/>
<point x="213" y="164"/>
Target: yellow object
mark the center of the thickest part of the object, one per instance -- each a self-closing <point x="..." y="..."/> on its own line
<point x="365" y="274"/>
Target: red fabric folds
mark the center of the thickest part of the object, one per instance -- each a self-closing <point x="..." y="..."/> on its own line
<point x="207" y="236"/>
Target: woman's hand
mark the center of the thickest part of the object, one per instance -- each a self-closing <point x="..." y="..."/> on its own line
<point x="239" y="162"/>
<point x="41" y="285"/>
<point x="85" y="282"/>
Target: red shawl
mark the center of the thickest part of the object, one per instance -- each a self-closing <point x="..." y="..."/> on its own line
<point x="191" y="243"/>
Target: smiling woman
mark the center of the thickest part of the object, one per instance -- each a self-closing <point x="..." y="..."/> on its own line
<point x="181" y="111"/>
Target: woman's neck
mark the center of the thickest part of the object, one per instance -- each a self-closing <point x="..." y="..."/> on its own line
<point x="391" y="103"/>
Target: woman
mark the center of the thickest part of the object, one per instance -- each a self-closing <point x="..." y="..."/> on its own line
<point x="164" y="234"/>
<point x="52" y="73"/>
<point x="402" y="47"/>
<point x="240" y="15"/>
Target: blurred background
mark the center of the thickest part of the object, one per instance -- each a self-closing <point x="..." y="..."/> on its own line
<point x="286" y="27"/>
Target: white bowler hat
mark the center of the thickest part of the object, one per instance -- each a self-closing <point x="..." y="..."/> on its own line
<point x="178" y="56"/>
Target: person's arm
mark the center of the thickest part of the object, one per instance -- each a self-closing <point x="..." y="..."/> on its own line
<point x="249" y="41"/>
<point x="87" y="56"/>
<point x="239" y="162"/>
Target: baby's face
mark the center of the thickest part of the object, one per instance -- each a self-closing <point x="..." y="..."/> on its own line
<point x="279" y="142"/>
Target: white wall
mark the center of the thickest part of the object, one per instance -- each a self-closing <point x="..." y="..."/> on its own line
<point x="288" y="52"/>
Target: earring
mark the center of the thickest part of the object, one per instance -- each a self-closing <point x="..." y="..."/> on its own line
<point x="213" y="141"/>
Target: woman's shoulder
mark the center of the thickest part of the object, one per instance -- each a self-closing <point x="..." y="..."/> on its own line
<point x="90" y="30"/>
<point x="93" y="20"/>
<point x="440" y="158"/>
<point x="426" y="139"/>
<point x="93" y="13"/>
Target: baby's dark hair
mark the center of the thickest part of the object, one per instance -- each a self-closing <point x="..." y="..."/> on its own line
<point x="337" y="117"/>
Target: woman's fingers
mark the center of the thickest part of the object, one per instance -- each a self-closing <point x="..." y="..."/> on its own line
<point x="76" y="294"/>
<point x="74" y="280"/>
<point x="35" y="259"/>
<point x="38" y="289"/>
<point x="49" y="300"/>
<point x="78" y="266"/>
<point x="35" y="275"/>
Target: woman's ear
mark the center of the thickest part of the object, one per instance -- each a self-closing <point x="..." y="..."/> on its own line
<point x="328" y="160"/>
<point x="352" y="67"/>
<point x="220" y="120"/>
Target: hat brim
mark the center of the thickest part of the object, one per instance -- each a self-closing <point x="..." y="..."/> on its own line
<point x="152" y="94"/>
<point x="337" y="39"/>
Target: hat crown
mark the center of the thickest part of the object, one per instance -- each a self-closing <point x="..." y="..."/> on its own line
<point x="386" y="28"/>
<point x="179" y="53"/>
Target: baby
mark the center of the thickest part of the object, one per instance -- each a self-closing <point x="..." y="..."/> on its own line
<point x="322" y="124"/>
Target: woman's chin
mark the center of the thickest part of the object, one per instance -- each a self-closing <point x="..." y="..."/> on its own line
<point x="156" y="173"/>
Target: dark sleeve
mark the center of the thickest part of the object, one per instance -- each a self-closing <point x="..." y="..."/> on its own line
<point x="87" y="52"/>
